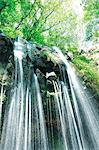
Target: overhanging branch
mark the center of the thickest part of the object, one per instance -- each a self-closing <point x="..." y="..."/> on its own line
<point x="23" y="19"/>
<point x="48" y="16"/>
<point x="51" y="27"/>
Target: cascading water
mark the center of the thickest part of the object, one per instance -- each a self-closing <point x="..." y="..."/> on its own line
<point x="1" y="100"/>
<point x="18" y="121"/>
<point x="65" y="120"/>
<point x="82" y="117"/>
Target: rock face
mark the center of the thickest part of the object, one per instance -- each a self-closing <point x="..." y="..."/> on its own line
<point x="44" y="65"/>
<point x="6" y="48"/>
<point x="6" y="69"/>
<point x="6" y="62"/>
<point x="33" y="56"/>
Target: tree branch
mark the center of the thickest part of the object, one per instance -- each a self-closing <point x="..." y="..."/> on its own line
<point x="26" y="16"/>
<point x="33" y="24"/>
<point x="50" y="27"/>
<point x="45" y="19"/>
<point x="48" y="16"/>
<point x="23" y="19"/>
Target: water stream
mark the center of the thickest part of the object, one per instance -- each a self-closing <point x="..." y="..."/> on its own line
<point x="67" y="121"/>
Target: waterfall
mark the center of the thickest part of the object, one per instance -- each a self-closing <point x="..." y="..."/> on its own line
<point x="1" y="100"/>
<point x="61" y="111"/>
<point x="64" y="119"/>
<point x="42" y="131"/>
<point x="18" y="120"/>
<point x="82" y="116"/>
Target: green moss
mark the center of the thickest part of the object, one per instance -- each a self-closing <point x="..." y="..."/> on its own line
<point x="88" y="72"/>
<point x="51" y="56"/>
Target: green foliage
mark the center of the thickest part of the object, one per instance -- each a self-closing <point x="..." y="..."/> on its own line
<point x="84" y="59"/>
<point x="88" y="72"/>
<point x="53" y="22"/>
<point x="39" y="38"/>
<point x="42" y="22"/>
<point x="91" y="18"/>
<point x="91" y="9"/>
<point x="50" y="22"/>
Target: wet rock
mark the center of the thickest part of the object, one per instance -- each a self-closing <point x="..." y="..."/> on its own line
<point x="51" y="76"/>
<point x="6" y="48"/>
<point x="42" y="80"/>
<point x="6" y="63"/>
<point x="42" y="64"/>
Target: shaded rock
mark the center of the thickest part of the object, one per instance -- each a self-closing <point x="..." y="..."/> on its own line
<point x="6" y="48"/>
<point x="6" y="63"/>
<point x="42" y="64"/>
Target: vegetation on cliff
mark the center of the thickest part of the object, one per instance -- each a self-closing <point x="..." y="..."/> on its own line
<point x="71" y="25"/>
